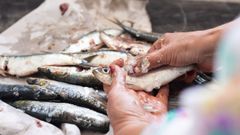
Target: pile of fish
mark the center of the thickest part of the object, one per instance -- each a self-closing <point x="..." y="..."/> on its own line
<point x="67" y="87"/>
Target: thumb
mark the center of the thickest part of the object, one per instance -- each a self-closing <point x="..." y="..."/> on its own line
<point x="118" y="78"/>
<point x="162" y="95"/>
<point x="156" y="45"/>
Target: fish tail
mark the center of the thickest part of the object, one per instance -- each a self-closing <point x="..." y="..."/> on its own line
<point x="3" y="65"/>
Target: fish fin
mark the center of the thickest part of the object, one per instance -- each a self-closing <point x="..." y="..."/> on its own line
<point x="3" y="73"/>
<point x="120" y="24"/>
<point x="86" y="65"/>
<point x="116" y="21"/>
<point x="45" y="51"/>
<point x="130" y="22"/>
<point x="88" y="59"/>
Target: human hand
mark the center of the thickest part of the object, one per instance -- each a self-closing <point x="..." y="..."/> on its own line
<point x="131" y="111"/>
<point x="181" y="49"/>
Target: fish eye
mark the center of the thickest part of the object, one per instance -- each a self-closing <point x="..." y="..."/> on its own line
<point x="105" y="70"/>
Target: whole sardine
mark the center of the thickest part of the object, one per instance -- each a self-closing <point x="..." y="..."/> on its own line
<point x="82" y="96"/>
<point x="72" y="75"/>
<point x="90" y="41"/>
<point x="118" y="43"/>
<point x="145" y="36"/>
<point x="65" y="113"/>
<point x="26" y="65"/>
<point x="16" y="92"/>
<point x="101" y="57"/>
<point x="148" y="81"/>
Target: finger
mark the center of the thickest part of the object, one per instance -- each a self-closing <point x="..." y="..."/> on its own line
<point x="106" y="88"/>
<point x="156" y="45"/>
<point x="118" y="78"/>
<point x="118" y="62"/>
<point x="162" y="95"/>
<point x="152" y="60"/>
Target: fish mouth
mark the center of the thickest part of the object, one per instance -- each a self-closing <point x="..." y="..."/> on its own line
<point x="95" y="72"/>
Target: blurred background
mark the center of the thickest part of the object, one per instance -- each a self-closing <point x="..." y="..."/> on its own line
<point x="165" y="15"/>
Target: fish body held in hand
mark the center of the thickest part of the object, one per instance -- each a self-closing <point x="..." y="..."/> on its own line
<point x="149" y="81"/>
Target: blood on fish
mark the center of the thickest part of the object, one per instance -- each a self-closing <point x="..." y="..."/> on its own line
<point x="63" y="8"/>
<point x="38" y="123"/>
<point x="79" y="69"/>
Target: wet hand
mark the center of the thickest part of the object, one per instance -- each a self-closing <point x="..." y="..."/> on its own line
<point x="131" y="111"/>
<point x="181" y="49"/>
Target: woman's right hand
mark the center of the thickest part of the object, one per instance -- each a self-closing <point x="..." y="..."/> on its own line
<point x="181" y="49"/>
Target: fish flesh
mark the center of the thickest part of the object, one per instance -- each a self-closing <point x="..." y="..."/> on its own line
<point x="145" y="36"/>
<point x="82" y="96"/>
<point x="53" y="112"/>
<point x="118" y="43"/>
<point x="91" y="41"/>
<point x="16" y="92"/>
<point x="149" y="81"/>
<point x="15" y="122"/>
<point x="72" y="75"/>
<point x="101" y="57"/>
<point x="27" y="65"/>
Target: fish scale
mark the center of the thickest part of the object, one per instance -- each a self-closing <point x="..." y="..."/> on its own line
<point x="16" y="92"/>
<point x="82" y="96"/>
<point x="65" y="113"/>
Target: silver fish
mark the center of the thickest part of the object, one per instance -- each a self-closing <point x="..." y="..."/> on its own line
<point x="83" y="96"/>
<point x="101" y="57"/>
<point x="149" y="81"/>
<point x="16" y="92"/>
<point x="90" y="41"/>
<point x="72" y="75"/>
<point x="65" y="113"/>
<point x="26" y="65"/>
<point x="142" y="35"/>
<point x="118" y="43"/>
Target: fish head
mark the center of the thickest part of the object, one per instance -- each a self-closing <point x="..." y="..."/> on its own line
<point x="103" y="74"/>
